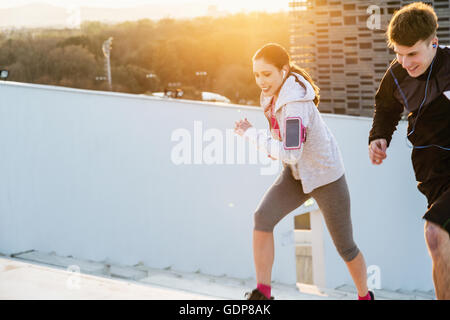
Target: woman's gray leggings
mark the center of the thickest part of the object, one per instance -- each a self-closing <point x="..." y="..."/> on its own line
<point x="286" y="194"/>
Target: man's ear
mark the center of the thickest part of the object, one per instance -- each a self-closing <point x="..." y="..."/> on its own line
<point x="435" y="42"/>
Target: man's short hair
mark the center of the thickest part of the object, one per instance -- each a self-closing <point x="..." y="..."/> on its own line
<point x="414" y="22"/>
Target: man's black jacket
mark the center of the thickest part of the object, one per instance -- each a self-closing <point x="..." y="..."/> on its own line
<point x="431" y="165"/>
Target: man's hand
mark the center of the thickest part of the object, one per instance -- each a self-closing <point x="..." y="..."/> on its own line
<point x="377" y="151"/>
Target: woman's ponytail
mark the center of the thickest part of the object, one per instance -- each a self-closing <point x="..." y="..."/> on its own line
<point x="304" y="74"/>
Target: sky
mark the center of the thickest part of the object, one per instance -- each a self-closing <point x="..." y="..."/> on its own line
<point x="227" y="5"/>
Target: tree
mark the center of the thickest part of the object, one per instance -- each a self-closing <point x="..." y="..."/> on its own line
<point x="171" y="50"/>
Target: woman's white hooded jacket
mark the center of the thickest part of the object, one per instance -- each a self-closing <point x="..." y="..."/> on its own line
<point x="318" y="161"/>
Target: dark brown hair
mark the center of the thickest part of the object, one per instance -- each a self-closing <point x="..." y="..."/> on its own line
<point x="414" y="22"/>
<point x="276" y="55"/>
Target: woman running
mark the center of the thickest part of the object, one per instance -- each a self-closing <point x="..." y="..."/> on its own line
<point x="312" y="166"/>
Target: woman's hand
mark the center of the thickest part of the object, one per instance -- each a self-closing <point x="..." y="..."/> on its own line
<point x="242" y="126"/>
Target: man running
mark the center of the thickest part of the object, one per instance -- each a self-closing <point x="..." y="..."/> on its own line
<point x="419" y="80"/>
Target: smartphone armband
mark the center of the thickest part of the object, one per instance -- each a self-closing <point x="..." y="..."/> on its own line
<point x="294" y="133"/>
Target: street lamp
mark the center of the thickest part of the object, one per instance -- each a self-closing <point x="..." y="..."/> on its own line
<point x="153" y="80"/>
<point x="4" y="74"/>
<point x="107" y="46"/>
<point x="203" y="75"/>
<point x="172" y="92"/>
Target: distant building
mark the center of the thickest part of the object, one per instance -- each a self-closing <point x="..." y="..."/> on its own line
<point x="342" y="45"/>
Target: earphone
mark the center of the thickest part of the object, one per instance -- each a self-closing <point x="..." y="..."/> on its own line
<point x="434" y="45"/>
<point x="284" y="73"/>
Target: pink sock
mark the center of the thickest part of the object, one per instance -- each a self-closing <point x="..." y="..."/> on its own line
<point x="265" y="290"/>
<point x="367" y="297"/>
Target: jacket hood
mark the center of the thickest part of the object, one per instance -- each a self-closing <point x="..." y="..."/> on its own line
<point x="291" y="91"/>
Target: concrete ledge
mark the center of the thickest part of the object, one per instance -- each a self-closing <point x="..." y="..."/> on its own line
<point x="20" y="280"/>
<point x="43" y="276"/>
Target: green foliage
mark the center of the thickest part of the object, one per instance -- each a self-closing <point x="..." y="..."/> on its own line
<point x="173" y="50"/>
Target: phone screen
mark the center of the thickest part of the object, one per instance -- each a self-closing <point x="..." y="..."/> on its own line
<point x="292" y="133"/>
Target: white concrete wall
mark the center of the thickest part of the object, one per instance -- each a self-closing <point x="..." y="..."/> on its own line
<point x="91" y="174"/>
<point x="387" y="210"/>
